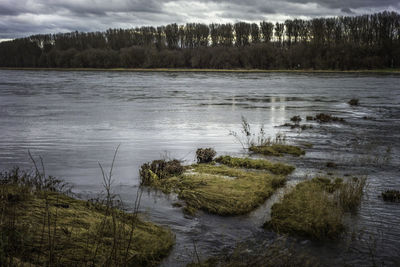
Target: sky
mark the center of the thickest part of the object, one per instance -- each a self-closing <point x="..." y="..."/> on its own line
<point x="19" y="18"/>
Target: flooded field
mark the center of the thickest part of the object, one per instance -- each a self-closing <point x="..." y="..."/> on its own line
<point x="76" y="119"/>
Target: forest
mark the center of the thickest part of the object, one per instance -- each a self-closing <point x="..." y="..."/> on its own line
<point x="337" y="43"/>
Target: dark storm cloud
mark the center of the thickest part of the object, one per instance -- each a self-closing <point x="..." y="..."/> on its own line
<point x="24" y="17"/>
<point x="351" y="3"/>
<point x="102" y="7"/>
<point x="347" y="10"/>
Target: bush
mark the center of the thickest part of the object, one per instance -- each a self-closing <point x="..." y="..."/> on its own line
<point x="205" y="155"/>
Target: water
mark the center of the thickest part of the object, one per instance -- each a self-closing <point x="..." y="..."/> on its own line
<point x="75" y="120"/>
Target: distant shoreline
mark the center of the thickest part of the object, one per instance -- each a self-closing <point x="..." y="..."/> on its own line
<point x="388" y="71"/>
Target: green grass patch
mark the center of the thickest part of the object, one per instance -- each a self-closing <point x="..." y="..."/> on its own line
<point x="262" y="164"/>
<point x="49" y="228"/>
<point x="221" y="190"/>
<point x="277" y="150"/>
<point x="315" y="208"/>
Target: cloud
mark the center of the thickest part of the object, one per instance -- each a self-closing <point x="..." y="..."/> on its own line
<point x="351" y="3"/>
<point x="25" y="17"/>
<point x="347" y="10"/>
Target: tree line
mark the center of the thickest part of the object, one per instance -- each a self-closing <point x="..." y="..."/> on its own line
<point x="340" y="43"/>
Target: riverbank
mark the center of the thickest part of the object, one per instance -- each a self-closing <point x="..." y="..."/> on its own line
<point x="382" y="71"/>
<point x="42" y="224"/>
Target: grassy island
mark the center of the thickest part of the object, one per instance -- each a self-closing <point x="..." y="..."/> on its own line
<point x="315" y="208"/>
<point x="232" y="188"/>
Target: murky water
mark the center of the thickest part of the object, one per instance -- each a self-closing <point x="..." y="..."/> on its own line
<point x="76" y="119"/>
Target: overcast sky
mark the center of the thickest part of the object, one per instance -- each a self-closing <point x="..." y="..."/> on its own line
<point x="20" y="18"/>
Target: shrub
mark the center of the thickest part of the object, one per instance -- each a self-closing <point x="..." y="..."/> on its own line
<point x="205" y="155"/>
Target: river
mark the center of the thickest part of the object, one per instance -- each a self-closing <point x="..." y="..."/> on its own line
<point x="75" y="120"/>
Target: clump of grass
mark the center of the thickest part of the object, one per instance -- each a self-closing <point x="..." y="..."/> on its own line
<point x="349" y="194"/>
<point x="296" y="119"/>
<point x="189" y="210"/>
<point x="327" y="184"/>
<point x="275" y="168"/>
<point x="152" y="173"/>
<point x="331" y="164"/>
<point x="303" y="127"/>
<point x="315" y="208"/>
<point x="391" y="195"/>
<point x="261" y="144"/>
<point x="309" y="118"/>
<point x="353" y="102"/>
<point x="247" y="138"/>
<point x="42" y="226"/>
<point x="205" y="155"/>
<point x="325" y="118"/>
<point x="277" y="150"/>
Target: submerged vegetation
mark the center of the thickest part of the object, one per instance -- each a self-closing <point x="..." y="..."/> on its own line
<point x="353" y="102"/>
<point x="303" y="127"/>
<point x="42" y="226"/>
<point x="296" y="119"/>
<point x="220" y="189"/>
<point x="391" y="195"/>
<point x="324" y="118"/>
<point x="315" y="208"/>
<point x="260" y="144"/>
